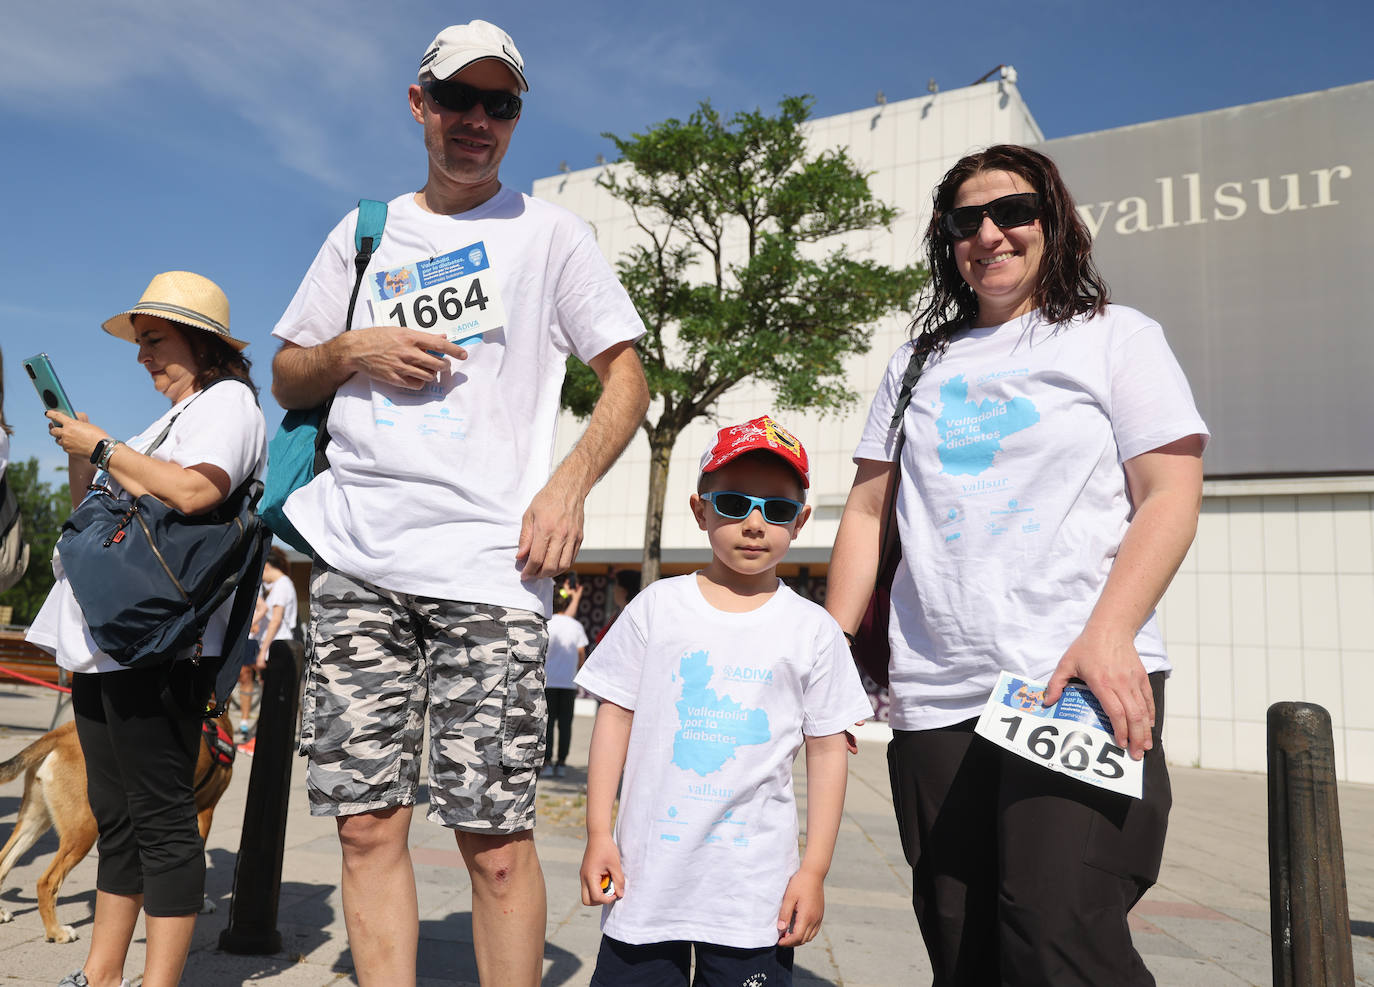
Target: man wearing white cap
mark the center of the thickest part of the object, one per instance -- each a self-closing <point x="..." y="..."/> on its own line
<point x="437" y="524"/>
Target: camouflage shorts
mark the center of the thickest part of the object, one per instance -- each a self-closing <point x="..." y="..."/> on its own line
<point x="379" y="662"/>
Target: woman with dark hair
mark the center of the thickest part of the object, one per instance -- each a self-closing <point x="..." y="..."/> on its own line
<point x="1047" y="490"/>
<point x="139" y="728"/>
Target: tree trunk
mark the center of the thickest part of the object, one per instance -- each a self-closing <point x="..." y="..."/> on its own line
<point x="660" y="455"/>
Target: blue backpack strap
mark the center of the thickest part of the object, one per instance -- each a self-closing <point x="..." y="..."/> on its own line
<point x="367" y="237"/>
<point x="371" y="222"/>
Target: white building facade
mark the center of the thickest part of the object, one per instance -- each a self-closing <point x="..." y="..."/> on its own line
<point x="1275" y="601"/>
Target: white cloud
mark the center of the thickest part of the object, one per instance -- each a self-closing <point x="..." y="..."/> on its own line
<point x="297" y="72"/>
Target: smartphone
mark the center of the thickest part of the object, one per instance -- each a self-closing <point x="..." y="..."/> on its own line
<point x="49" y="388"/>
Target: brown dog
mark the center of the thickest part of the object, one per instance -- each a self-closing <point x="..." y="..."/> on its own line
<point x="55" y="795"/>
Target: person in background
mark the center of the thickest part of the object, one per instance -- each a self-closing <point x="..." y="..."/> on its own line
<point x="14" y="551"/>
<point x="278" y="621"/>
<point x="567" y="651"/>
<point x="624" y="585"/>
<point x="248" y="677"/>
<point x="1050" y="483"/>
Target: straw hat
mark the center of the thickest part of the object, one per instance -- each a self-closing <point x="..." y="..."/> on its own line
<point x="182" y="297"/>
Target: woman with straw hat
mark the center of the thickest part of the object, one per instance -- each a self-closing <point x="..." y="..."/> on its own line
<point x="141" y="750"/>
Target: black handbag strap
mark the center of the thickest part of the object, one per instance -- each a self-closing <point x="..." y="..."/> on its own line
<point x="889" y="545"/>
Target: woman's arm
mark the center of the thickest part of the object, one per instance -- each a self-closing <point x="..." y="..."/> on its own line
<point x="270" y="634"/>
<point x="189" y="489"/>
<point x="854" y="559"/>
<point x="1165" y="486"/>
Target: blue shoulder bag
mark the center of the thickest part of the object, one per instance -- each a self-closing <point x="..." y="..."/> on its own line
<point x="297" y="452"/>
<point x="148" y="577"/>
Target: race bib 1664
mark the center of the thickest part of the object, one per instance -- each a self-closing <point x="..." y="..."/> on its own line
<point x="454" y="294"/>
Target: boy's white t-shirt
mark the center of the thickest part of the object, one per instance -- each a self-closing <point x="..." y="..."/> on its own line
<point x="425" y="490"/>
<point x="1013" y="501"/>
<point x="566" y="636"/>
<point x="707" y="828"/>
<point x="282" y="594"/>
<point x="219" y="426"/>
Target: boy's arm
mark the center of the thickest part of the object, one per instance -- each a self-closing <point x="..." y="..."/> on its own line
<point x="803" y="903"/>
<point x="610" y="741"/>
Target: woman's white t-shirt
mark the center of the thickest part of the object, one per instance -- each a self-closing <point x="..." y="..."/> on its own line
<point x="566" y="637"/>
<point x="1012" y="501"/>
<point x="707" y="829"/>
<point x="282" y="594"/>
<point x="220" y="426"/>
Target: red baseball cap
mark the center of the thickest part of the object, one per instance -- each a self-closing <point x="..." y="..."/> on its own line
<point x="763" y="433"/>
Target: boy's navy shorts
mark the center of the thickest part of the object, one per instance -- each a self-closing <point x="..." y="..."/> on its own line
<point x="665" y="964"/>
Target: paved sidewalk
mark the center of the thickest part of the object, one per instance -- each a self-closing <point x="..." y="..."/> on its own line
<point x="1207" y="923"/>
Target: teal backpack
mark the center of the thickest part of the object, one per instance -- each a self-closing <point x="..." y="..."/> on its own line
<point x="297" y="452"/>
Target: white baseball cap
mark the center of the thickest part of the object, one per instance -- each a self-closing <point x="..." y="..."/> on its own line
<point x="457" y="47"/>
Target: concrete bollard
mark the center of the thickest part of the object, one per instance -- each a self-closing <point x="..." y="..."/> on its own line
<point x="1309" y="915"/>
<point x="257" y="873"/>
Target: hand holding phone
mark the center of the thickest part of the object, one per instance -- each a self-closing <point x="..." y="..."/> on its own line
<point x="49" y="388"/>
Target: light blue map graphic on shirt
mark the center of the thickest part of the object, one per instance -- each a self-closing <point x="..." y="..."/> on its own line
<point x="712" y="727"/>
<point x="971" y="434"/>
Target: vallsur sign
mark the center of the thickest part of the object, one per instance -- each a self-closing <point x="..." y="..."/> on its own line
<point x="1182" y="202"/>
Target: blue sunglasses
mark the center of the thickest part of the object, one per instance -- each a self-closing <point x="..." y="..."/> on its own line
<point x="737" y="506"/>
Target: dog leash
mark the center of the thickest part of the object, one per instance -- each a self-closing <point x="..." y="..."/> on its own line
<point x="25" y="678"/>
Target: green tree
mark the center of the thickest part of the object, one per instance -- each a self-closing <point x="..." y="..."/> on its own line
<point x="42" y="509"/>
<point x="734" y="277"/>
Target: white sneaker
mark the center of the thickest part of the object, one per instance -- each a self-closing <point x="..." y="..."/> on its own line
<point x="560" y="770"/>
<point x="545" y="772"/>
<point x="78" y="979"/>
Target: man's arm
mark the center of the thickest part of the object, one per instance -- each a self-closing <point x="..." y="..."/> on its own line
<point x="803" y="903"/>
<point x="551" y="530"/>
<point x="305" y="376"/>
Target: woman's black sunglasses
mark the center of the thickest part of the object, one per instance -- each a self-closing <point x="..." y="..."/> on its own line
<point x="1008" y="211"/>
<point x="461" y="97"/>
<point x="738" y="506"/>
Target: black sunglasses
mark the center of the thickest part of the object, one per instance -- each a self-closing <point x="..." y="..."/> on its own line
<point x="738" y="506"/>
<point x="461" y="97"/>
<point x="1009" y="210"/>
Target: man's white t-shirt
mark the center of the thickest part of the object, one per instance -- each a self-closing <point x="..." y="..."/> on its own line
<point x="707" y="829"/>
<point x="282" y="594"/>
<point x="425" y="490"/>
<point x="566" y="637"/>
<point x="1013" y="502"/>
<point x="219" y="426"/>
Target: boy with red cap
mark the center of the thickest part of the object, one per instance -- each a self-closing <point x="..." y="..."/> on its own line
<point x="710" y="683"/>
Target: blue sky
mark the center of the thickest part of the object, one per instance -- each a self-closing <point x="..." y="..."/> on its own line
<point x="228" y="139"/>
